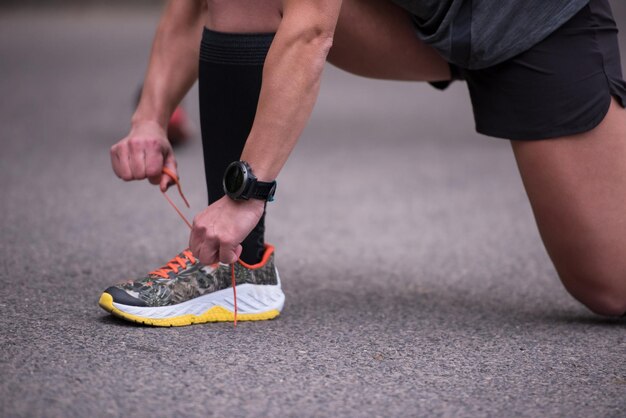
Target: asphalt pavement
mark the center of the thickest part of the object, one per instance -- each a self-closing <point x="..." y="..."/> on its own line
<point x="416" y="281"/>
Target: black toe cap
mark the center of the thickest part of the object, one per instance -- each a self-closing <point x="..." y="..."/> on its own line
<point x="119" y="296"/>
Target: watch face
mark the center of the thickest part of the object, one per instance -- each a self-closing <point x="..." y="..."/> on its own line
<point x="233" y="180"/>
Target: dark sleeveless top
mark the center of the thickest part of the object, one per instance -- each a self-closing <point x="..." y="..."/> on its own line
<point x="480" y="33"/>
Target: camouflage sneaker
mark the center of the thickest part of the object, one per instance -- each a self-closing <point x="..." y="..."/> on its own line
<point x="185" y="292"/>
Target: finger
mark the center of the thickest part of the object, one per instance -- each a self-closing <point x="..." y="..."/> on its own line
<point x="169" y="162"/>
<point x="119" y="159"/>
<point x="195" y="241"/>
<point x="228" y="253"/>
<point x="154" y="162"/>
<point x="238" y="251"/>
<point x="115" y="161"/>
<point x="154" y="166"/>
<point x="208" y="256"/>
<point x="200" y="241"/>
<point x="137" y="159"/>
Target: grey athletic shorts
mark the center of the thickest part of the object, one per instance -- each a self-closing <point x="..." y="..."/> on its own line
<point x="561" y="86"/>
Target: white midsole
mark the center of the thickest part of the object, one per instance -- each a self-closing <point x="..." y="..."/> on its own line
<point x="251" y="299"/>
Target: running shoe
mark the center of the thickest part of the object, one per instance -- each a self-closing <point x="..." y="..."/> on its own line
<point x="186" y="292"/>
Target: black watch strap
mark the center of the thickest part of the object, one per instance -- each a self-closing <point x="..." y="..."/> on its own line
<point x="264" y="190"/>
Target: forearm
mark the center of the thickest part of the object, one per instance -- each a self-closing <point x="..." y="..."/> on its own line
<point x="291" y="80"/>
<point x="173" y="66"/>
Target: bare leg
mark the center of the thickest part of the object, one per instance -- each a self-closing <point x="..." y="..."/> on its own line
<point x="376" y="39"/>
<point x="577" y="189"/>
<point x="244" y="16"/>
<point x="373" y="38"/>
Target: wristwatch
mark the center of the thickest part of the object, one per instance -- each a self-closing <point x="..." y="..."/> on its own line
<point x="241" y="184"/>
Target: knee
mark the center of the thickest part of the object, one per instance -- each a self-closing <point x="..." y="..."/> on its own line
<point x="244" y="15"/>
<point x="605" y="304"/>
<point x="604" y="293"/>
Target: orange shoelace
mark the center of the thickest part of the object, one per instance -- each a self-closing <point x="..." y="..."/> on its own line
<point x="180" y="262"/>
<point x="173" y="176"/>
<point x="174" y="264"/>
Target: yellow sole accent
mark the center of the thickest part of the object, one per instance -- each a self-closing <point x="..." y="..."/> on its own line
<point x="215" y="314"/>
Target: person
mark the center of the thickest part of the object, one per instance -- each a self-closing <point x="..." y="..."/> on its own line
<point x="544" y="75"/>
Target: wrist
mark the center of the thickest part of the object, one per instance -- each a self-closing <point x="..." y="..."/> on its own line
<point x="143" y="117"/>
<point x="262" y="173"/>
<point x="141" y="121"/>
<point x="263" y="170"/>
<point x="255" y="206"/>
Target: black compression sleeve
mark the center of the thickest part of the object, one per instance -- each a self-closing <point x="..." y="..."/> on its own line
<point x="229" y="79"/>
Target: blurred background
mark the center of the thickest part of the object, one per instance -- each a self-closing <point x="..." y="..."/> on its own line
<point x="414" y="274"/>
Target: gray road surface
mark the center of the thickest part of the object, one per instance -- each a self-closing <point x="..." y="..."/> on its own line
<point x="416" y="281"/>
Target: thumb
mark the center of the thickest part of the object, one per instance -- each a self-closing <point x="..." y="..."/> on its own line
<point x="228" y="254"/>
<point x="169" y="163"/>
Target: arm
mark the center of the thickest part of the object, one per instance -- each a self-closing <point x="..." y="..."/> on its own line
<point x="172" y="70"/>
<point x="291" y="79"/>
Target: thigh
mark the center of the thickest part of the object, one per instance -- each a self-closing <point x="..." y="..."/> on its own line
<point x="577" y="190"/>
<point x="376" y="38"/>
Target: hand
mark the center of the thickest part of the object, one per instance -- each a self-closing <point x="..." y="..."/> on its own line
<point x="143" y="154"/>
<point x="219" y="229"/>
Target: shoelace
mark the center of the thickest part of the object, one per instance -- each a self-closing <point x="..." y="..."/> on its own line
<point x="174" y="264"/>
<point x="181" y="262"/>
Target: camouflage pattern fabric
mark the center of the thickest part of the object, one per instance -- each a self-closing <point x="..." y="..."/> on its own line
<point x="195" y="280"/>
